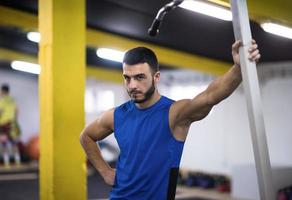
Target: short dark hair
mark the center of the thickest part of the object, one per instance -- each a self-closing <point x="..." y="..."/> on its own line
<point x="141" y="55"/>
<point x="5" y="88"/>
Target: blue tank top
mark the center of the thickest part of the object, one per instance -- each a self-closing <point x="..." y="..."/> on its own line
<point x="149" y="158"/>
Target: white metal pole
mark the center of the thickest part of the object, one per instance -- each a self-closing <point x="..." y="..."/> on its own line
<point x="242" y="32"/>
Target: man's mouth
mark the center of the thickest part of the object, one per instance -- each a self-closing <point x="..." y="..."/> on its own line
<point x="135" y="93"/>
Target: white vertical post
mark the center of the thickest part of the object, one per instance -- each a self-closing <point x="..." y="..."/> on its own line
<point x="242" y="32"/>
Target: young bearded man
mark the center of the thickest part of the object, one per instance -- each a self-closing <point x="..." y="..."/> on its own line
<point x="151" y="129"/>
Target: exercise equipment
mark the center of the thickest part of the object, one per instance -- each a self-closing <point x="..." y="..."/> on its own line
<point x="222" y="183"/>
<point x="242" y="32"/>
<point x="154" y="29"/>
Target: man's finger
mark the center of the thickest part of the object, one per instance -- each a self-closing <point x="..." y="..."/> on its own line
<point x="253" y="47"/>
<point x="253" y="55"/>
<point x="236" y="44"/>
<point x="258" y="57"/>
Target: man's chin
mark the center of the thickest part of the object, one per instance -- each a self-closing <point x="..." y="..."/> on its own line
<point x="138" y="100"/>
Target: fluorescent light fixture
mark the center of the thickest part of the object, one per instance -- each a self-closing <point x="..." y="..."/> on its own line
<point x="207" y="9"/>
<point x="277" y="29"/>
<point x="26" y="67"/>
<point x="110" y="54"/>
<point x="34" y="36"/>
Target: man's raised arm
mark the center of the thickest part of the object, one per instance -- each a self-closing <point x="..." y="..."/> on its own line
<point x="184" y="112"/>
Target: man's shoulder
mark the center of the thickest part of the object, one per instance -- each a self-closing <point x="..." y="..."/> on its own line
<point x="178" y="106"/>
<point x="125" y="106"/>
<point x="167" y="99"/>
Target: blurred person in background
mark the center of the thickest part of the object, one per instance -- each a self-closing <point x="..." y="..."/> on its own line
<point x="9" y="129"/>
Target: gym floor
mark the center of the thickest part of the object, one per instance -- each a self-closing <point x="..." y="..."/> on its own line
<point x="22" y="183"/>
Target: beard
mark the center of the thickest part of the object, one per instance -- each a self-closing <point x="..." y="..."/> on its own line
<point x="146" y="96"/>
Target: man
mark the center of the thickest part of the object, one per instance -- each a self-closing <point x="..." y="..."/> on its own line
<point x="151" y="129"/>
<point x="9" y="131"/>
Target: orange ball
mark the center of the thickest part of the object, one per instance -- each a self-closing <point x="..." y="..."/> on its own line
<point x="33" y="149"/>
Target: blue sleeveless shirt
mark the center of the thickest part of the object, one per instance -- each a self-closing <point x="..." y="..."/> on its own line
<point x="149" y="157"/>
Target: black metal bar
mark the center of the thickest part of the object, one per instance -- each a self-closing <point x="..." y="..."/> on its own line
<point x="154" y="29"/>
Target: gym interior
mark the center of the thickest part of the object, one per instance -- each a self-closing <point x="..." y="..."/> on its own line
<point x="53" y="57"/>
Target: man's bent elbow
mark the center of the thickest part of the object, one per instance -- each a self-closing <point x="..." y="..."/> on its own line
<point x="86" y="137"/>
<point x="83" y="137"/>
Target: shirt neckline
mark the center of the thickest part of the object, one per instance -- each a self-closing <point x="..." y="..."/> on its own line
<point x="150" y="107"/>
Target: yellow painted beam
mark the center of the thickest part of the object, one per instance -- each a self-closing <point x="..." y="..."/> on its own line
<point x="16" y="18"/>
<point x="62" y="88"/>
<point x="166" y="56"/>
<point x="279" y="10"/>
<point x="268" y="10"/>
<point x="96" y="72"/>
<point x="220" y="2"/>
<point x="104" y="74"/>
<point x="10" y="55"/>
<point x="260" y="10"/>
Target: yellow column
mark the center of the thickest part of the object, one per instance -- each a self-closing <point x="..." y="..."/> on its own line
<point x="62" y="83"/>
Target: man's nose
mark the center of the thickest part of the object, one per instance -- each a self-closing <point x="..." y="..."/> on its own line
<point x="132" y="84"/>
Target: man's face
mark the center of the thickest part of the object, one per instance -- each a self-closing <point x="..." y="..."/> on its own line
<point x="139" y="81"/>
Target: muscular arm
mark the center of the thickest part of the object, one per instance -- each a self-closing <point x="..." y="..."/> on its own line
<point x="96" y="131"/>
<point x="184" y="112"/>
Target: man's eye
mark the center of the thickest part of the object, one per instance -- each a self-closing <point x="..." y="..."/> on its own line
<point x="140" y="77"/>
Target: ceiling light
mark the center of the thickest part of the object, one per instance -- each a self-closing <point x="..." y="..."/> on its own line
<point x="277" y="29"/>
<point x="110" y="54"/>
<point x="26" y="67"/>
<point x="34" y="36"/>
<point x="209" y="9"/>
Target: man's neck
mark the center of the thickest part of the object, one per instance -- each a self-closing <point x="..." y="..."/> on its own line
<point x="154" y="98"/>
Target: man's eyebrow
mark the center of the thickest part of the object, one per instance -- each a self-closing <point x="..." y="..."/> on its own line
<point x="135" y="75"/>
<point x="140" y="74"/>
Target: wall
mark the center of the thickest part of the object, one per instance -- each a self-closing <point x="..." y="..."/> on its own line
<point x="222" y="140"/>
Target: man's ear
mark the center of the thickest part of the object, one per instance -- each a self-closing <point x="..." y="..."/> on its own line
<point x="156" y="76"/>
